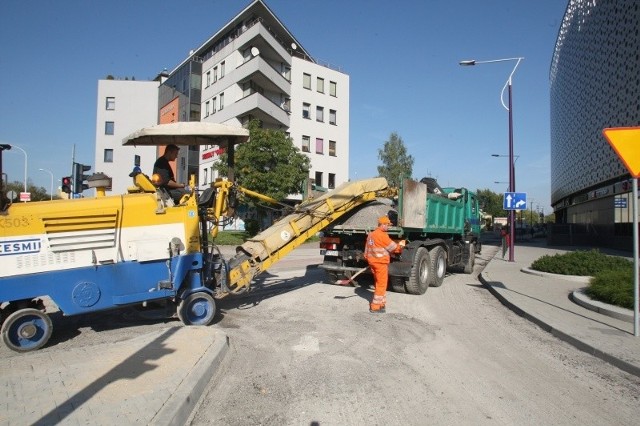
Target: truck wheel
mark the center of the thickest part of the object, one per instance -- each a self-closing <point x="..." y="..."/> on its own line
<point x="197" y="309"/>
<point x="26" y="330"/>
<point x="471" y="260"/>
<point x="418" y="281"/>
<point x="332" y="277"/>
<point x="438" y="266"/>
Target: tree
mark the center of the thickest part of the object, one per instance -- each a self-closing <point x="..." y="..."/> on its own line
<point x="396" y="163"/>
<point x="268" y="163"/>
<point x="38" y="193"/>
<point x="491" y="202"/>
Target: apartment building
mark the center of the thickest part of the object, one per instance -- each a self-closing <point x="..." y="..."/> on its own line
<point x="124" y="106"/>
<point x="254" y="68"/>
<point x="251" y="68"/>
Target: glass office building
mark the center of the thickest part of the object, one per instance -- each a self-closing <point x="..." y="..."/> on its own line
<point x="594" y="84"/>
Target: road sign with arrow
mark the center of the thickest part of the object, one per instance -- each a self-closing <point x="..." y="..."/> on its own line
<point x="515" y="201"/>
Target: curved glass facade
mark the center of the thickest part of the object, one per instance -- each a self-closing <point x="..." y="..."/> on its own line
<point x="594" y="84"/>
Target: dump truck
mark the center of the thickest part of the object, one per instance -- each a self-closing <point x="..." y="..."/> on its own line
<point x="441" y="227"/>
<point x="141" y="247"/>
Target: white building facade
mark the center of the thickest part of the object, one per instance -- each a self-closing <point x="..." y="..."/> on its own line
<point x="124" y="106"/>
<point x="253" y="68"/>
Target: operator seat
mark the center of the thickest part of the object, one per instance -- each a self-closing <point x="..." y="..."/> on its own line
<point x="207" y="198"/>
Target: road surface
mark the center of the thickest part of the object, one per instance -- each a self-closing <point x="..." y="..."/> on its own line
<point x="307" y="353"/>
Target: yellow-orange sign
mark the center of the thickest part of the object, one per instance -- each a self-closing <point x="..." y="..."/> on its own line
<point x="625" y="141"/>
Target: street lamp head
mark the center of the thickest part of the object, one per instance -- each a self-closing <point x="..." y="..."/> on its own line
<point x="468" y="63"/>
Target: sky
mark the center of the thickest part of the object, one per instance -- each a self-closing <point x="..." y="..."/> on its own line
<point x="402" y="58"/>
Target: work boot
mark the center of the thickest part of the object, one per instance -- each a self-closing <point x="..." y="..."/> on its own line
<point x="377" y="309"/>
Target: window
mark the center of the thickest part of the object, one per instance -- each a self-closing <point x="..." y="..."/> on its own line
<point x="221" y="69"/>
<point x="320" y="114"/>
<point x="206" y="172"/>
<point x="332" y="148"/>
<point x="213" y="105"/>
<point x="286" y="104"/>
<point x="111" y="103"/>
<point x="332" y="116"/>
<point x="333" y="90"/>
<point x="108" y="128"/>
<point x="221" y="102"/>
<point x="332" y="181"/>
<point x="108" y="156"/>
<point x="208" y="78"/>
<point x="319" y="146"/>
<point x="305" y="110"/>
<point x="320" y="85"/>
<point x="206" y="109"/>
<point x="318" y="180"/>
<point x="306" y="143"/>
<point x="215" y="74"/>
<point x="306" y="81"/>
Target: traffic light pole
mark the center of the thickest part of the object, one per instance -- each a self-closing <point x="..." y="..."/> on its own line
<point x="79" y="177"/>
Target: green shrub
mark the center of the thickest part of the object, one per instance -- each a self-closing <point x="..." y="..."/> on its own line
<point x="612" y="281"/>
<point x="236" y="238"/>
<point x="614" y="287"/>
<point x="584" y="263"/>
<point x="230" y="238"/>
<point x="252" y="227"/>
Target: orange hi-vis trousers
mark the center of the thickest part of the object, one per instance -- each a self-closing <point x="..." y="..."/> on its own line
<point x="381" y="277"/>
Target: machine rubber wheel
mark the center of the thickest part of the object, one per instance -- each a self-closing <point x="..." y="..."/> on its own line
<point x="397" y="284"/>
<point x="438" y="266"/>
<point x="197" y="309"/>
<point x="26" y="330"/>
<point x="471" y="260"/>
<point x="418" y="281"/>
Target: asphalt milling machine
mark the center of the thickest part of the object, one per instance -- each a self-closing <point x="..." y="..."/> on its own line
<point x="110" y="251"/>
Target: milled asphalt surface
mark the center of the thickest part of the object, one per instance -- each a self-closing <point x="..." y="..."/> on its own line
<point x="157" y="378"/>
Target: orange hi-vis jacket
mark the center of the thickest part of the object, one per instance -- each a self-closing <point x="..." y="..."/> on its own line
<point x="378" y="247"/>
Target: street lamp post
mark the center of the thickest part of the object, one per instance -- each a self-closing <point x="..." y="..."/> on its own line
<point x="25" y="164"/>
<point x="513" y="166"/>
<point x="512" y="178"/>
<point x="51" y="187"/>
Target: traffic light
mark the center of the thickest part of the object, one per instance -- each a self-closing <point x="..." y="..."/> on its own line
<point x="66" y="184"/>
<point x="79" y="177"/>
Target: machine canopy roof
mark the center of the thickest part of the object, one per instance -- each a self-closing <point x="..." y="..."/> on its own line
<point x="188" y="133"/>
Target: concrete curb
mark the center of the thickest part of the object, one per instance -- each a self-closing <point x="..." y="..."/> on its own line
<point x="579" y="297"/>
<point x="573" y="278"/>
<point x="185" y="398"/>
<point x="615" y="361"/>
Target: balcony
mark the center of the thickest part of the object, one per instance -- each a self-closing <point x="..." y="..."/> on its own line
<point x="257" y="105"/>
<point x="260" y="71"/>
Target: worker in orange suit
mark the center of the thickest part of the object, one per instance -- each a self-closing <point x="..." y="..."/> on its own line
<point x="377" y="252"/>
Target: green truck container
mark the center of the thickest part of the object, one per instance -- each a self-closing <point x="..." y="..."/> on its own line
<point x="441" y="227"/>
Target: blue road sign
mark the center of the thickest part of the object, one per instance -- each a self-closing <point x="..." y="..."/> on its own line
<point x="620" y="203"/>
<point x="515" y="201"/>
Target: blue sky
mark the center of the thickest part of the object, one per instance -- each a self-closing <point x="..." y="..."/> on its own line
<point x="402" y="58"/>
